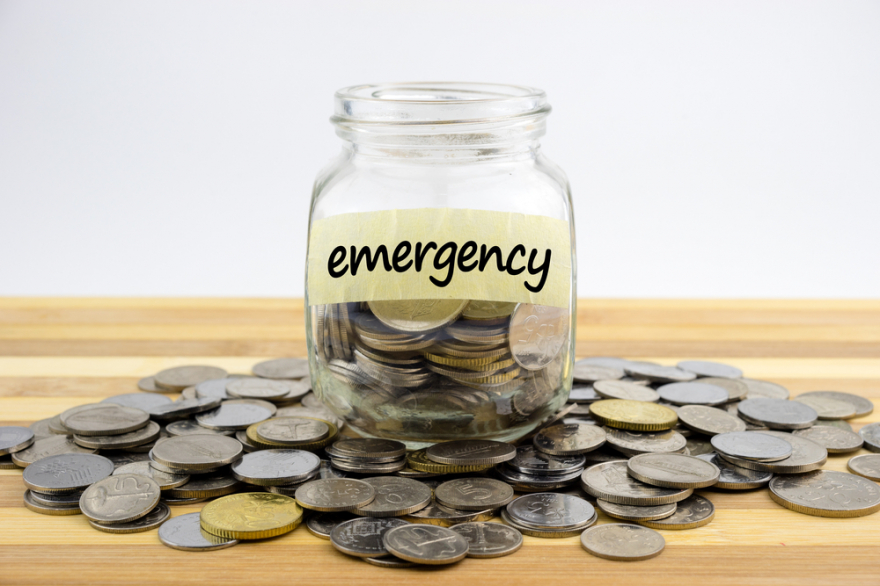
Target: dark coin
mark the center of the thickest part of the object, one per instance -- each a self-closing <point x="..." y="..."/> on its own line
<point x="528" y="460"/>
<point x="736" y="478"/>
<point x="322" y="524"/>
<point x="695" y="511"/>
<point x="363" y="536"/>
<point x="190" y="427"/>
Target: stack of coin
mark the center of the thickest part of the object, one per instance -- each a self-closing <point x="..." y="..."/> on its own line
<point x="368" y="455"/>
<point x="535" y="471"/>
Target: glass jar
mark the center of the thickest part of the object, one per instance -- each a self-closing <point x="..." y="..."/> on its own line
<point x="440" y="285"/>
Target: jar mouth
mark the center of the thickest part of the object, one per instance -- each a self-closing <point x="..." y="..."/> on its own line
<point x="416" y="103"/>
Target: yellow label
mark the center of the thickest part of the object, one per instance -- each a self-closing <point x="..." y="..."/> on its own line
<point x="440" y="253"/>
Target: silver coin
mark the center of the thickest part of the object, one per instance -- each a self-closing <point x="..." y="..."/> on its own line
<point x="276" y="467"/>
<point x="315" y="413"/>
<point x="333" y="495"/>
<point x="825" y="493"/>
<point x="190" y="427"/>
<point x="389" y="561"/>
<point x="697" y="393"/>
<point x="583" y="394"/>
<point x="609" y="361"/>
<point x="189" y="393"/>
<point x="736" y="478"/>
<point x="151" y="520"/>
<point x="547" y="510"/>
<point x="567" y="440"/>
<point x="142" y="401"/>
<point x="862" y="405"/>
<point x="41" y="429"/>
<point x="695" y="511"/>
<point x="736" y="389"/>
<point x="473" y="494"/>
<point x="537" y="334"/>
<point x="709" y="420"/>
<point x="66" y="472"/>
<point x="471" y="452"/>
<point x="56" y="500"/>
<point x="777" y="413"/>
<point x="120" y="459"/>
<point x="233" y="416"/>
<point x="395" y="496"/>
<point x="258" y="388"/>
<point x="546" y="533"/>
<point x="584" y="372"/>
<point x="531" y="461"/>
<point x="838" y="423"/>
<point x="148" y="385"/>
<point x="146" y="434"/>
<point x="163" y="479"/>
<point x="15" y="439"/>
<point x="181" y="377"/>
<point x="622" y="542"/>
<point x="213" y="389"/>
<point x="836" y="441"/>
<point x="827" y="408"/>
<point x="436" y="514"/>
<point x="673" y="470"/>
<point x="535" y="483"/>
<point x="869" y="433"/>
<point x="322" y="524"/>
<point x="705" y="368"/>
<point x="180" y="502"/>
<point x="697" y="445"/>
<point x="866" y="465"/>
<point x="282" y="368"/>
<point x="425" y="544"/>
<point x="363" y="536"/>
<point x="752" y="445"/>
<point x="185" y="533"/>
<point x="645" y="442"/>
<point x="196" y="452"/>
<point x="625" y="390"/>
<point x="120" y="499"/>
<point x="105" y="419"/>
<point x="489" y="540"/>
<point x="657" y="373"/>
<point x="49" y="509"/>
<point x="293" y="430"/>
<point x="633" y="513"/>
<point x="806" y="456"/>
<point x="370" y="468"/>
<point x="369" y="448"/>
<point x="611" y="481"/>
<point x="183" y="408"/>
<point x="765" y="389"/>
<point x="204" y="486"/>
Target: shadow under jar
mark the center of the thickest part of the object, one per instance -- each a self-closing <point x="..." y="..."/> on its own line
<point x="440" y="286"/>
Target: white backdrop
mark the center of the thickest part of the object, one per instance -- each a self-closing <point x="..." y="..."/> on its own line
<point x="723" y="149"/>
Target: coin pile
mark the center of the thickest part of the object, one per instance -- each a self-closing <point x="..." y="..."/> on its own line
<point x="635" y="443"/>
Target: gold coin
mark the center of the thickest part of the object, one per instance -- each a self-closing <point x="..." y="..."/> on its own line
<point x="633" y="415"/>
<point x="251" y="515"/>
<point x="488" y="310"/>
<point x="464" y="350"/>
<point x="417" y="315"/>
<point x="419" y="461"/>
<point x="468" y="363"/>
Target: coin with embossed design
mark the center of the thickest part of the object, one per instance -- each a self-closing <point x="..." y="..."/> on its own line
<point x="417" y="315"/>
<point x="806" y="456"/>
<point x="138" y="437"/>
<point x="634" y="513"/>
<point x="471" y="452"/>
<point x="867" y="465"/>
<point x="276" y="467"/>
<point x="694" y="511"/>
<point x="752" y="445"/>
<point x="734" y="477"/>
<point x="50" y="446"/>
<point x="693" y="393"/>
<point x="335" y="494"/>
<point x="547" y="510"/>
<point x="631" y="443"/>
<point x="569" y="439"/>
<point x="633" y="415"/>
<point x="251" y="515"/>
<point x="473" y="494"/>
<point x="537" y="334"/>
<point x="15" y="439"/>
<point x="833" y="439"/>
<point x="165" y="480"/>
<point x="395" y="496"/>
<point x="105" y="419"/>
<point x="828" y="408"/>
<point x="120" y="498"/>
<point x="625" y="390"/>
<point x="234" y="415"/>
<point x="65" y="473"/>
<point x="611" y="481"/>
<point x="622" y="542"/>
<point x="282" y="368"/>
<point x="826" y="493"/>
<point x="709" y="420"/>
<point x="292" y="430"/>
<point x="426" y="544"/>
<point x="531" y="461"/>
<point x="185" y="533"/>
<point x="777" y="413"/>
<point x="151" y="520"/>
<point x="363" y="536"/>
<point x="197" y="452"/>
<point x="672" y="470"/>
<point x="489" y="540"/>
<point x="862" y="405"/>
<point x="181" y="377"/>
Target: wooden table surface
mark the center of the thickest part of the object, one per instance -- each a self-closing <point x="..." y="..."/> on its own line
<point x="57" y="353"/>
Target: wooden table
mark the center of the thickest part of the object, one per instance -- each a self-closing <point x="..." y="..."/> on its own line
<point x="57" y="353"/>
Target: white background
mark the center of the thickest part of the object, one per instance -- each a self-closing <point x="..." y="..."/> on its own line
<point x="715" y="149"/>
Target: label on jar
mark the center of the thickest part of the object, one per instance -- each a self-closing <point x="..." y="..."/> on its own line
<point x="440" y="253"/>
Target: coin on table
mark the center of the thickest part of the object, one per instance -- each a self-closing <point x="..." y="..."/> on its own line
<point x="622" y="542"/>
<point x="545" y="532"/>
<point x="15" y="439"/>
<point x="489" y="540"/>
<point x="632" y="443"/>
<point x="105" y="419"/>
<point x="142" y="401"/>
<point x="709" y="420"/>
<point x="471" y="452"/>
<point x="282" y="368"/>
<point x="657" y="373"/>
<point x="322" y="524"/>
<point x="56" y="500"/>
<point x="611" y="481"/>
<point x="363" y="536"/>
<point x="148" y="385"/>
<point x="163" y="479"/>
<point x="214" y="388"/>
<point x="870" y="434"/>
<point x="625" y="390"/>
<point x="547" y="510"/>
<point x="151" y="520"/>
<point x="251" y="515"/>
<point x="184" y="408"/>
<point x="867" y="465"/>
<point x="695" y="393"/>
<point x="531" y="461"/>
<point x="66" y="472"/>
<point x="234" y="415"/>
<point x="764" y="389"/>
<point x="258" y="388"/>
<point x="120" y="499"/>
<point x="293" y="430"/>
<point x="838" y="423"/>
<point x="734" y="477"/>
<point x="417" y="315"/>
<point x="806" y="456"/>
<point x="202" y="486"/>
<point x="322" y="413"/>
<point x="633" y="415"/>
<point x="276" y="467"/>
<point x="584" y="372"/>
<point x="370" y="448"/>
<point x="694" y="511"/>
<point x="826" y="493"/>
<point x="634" y="513"/>
<point x="862" y="405"/>
<point x="144" y="435"/>
<point x="567" y="440"/>
<point x="473" y="494"/>
<point x="752" y="445"/>
<point x="197" y="452"/>
<point x="335" y="495"/>
<point x="41" y="429"/>
<point x="705" y="368"/>
<point x="181" y="377"/>
<point x="395" y="496"/>
<point x="389" y="561"/>
<point x="583" y="394"/>
<point x="55" y="509"/>
<point x="533" y="482"/>
<point x="185" y="533"/>
<point x="736" y="389"/>
<point x="777" y="413"/>
<point x="436" y="514"/>
<point x="425" y="544"/>
<point x="828" y="408"/>
<point x="190" y="427"/>
<point x="836" y="441"/>
<point x="673" y="470"/>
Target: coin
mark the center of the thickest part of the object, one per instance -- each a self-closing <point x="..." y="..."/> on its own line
<point x="752" y="445"/>
<point x="322" y="524"/>
<point x="131" y="439"/>
<point x="838" y="423"/>
<point x="704" y="368"/>
<point x="370" y="447"/>
<point x="632" y="443"/>
<point x="56" y="500"/>
<point x="46" y="509"/>
<point x="471" y="452"/>
<point x="657" y="373"/>
<point x="611" y="481"/>
<point x="185" y="533"/>
<point x="66" y="472"/>
<point x="181" y="377"/>
<point x="370" y="468"/>
<point x="293" y="430"/>
<point x="436" y="514"/>
<point x="583" y="394"/>
<point x="523" y="482"/>
<point x="622" y="542"/>
<point x="282" y="368"/>
<point x="537" y="334"/>
<point x="836" y="441"/>
<point x="190" y="427"/>
<point x="546" y="533"/>
<point x="778" y="413"/>
<point x="425" y="544"/>
<point x="395" y="496"/>
<point x="625" y="390"/>
<point x="697" y="393"/>
<point x="736" y="478"/>
<point x="183" y="408"/>
<point x="634" y="513"/>
<point x="547" y="510"/>
<point x="181" y="502"/>
<point x="862" y="405"/>
<point x="417" y="315"/>
<point x="736" y="389"/>
<point x="827" y="408"/>
<point x="363" y="536"/>
<point x="867" y="465"/>
<point x="826" y="493"/>
<point x="202" y="486"/>
<point x="105" y="419"/>
<point x="234" y="415"/>
<point x="870" y="434"/>
<point x="708" y="420"/>
<point x="805" y="456"/>
<point x="148" y="385"/>
<point x="487" y="310"/>
<point x="764" y="389"/>
<point x="120" y="459"/>
<point x="633" y="415"/>
<point x="489" y="540"/>
<point x="120" y="498"/>
<point x="567" y="440"/>
<point x="151" y="520"/>
<point x="531" y="461"/>
<point x="197" y="452"/>
<point x="335" y="494"/>
<point x="163" y="479"/>
<point x="473" y="494"/>
<point x="276" y="467"/>
<point x="697" y="445"/>
<point x="142" y="401"/>
<point x="15" y="439"/>
<point x="695" y="511"/>
<point x="214" y="388"/>
<point x="673" y="470"/>
<point x="585" y="372"/>
<point x="389" y="561"/>
<point x="41" y="429"/>
<point x="251" y="515"/>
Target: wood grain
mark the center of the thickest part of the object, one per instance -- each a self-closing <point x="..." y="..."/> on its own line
<point x="56" y="353"/>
